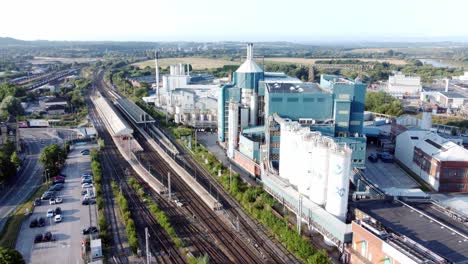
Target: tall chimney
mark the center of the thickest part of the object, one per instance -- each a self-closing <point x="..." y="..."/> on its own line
<point x="249" y="51"/>
<point x="156" y="76"/>
<point x="446" y="84"/>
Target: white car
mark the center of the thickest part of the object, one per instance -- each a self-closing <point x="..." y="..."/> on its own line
<point x="87" y="185"/>
<point x="58" y="218"/>
<point x="50" y="213"/>
<point x="52" y="201"/>
<point x="58" y="200"/>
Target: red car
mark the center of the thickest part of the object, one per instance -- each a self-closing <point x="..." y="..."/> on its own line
<point x="59" y="177"/>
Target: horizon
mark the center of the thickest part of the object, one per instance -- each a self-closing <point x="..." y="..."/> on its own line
<point x="211" y="21"/>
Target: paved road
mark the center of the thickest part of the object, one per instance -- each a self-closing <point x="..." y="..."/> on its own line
<point x="387" y="175"/>
<point x="208" y="140"/>
<point x="28" y="179"/>
<point x="67" y="247"/>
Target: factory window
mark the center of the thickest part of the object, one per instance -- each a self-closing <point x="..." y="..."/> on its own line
<point x="320" y="100"/>
<point x="293" y="99"/>
<point x="343" y="124"/>
<point x="277" y="99"/>
<point x="343" y="112"/>
<point x="344" y="96"/>
<point x="308" y="99"/>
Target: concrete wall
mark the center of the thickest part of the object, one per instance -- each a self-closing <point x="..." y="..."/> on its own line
<point x="247" y="164"/>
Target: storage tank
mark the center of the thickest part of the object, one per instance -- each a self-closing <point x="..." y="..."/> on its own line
<point x="177" y="115"/>
<point x="185" y="117"/>
<point x="253" y="109"/>
<point x="318" y="188"/>
<point x="210" y="117"/>
<point x="339" y="170"/>
<point x="244" y="117"/>
<point x="202" y="117"/>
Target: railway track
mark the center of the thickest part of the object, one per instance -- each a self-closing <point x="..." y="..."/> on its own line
<point x="161" y="245"/>
<point x="118" y="251"/>
<point x="246" y="246"/>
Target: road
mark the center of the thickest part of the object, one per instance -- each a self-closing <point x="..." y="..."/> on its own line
<point x="67" y="247"/>
<point x="16" y="191"/>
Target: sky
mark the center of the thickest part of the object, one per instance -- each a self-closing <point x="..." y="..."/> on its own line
<point x="237" y="20"/>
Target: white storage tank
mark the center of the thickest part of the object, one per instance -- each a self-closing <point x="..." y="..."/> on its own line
<point x="318" y="187"/>
<point x="339" y="170"/>
<point x="194" y="116"/>
<point x="244" y="117"/>
<point x="202" y="117"/>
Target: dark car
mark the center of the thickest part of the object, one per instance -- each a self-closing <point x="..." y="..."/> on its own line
<point x="58" y="211"/>
<point x="86" y="181"/>
<point x="387" y="158"/>
<point x="88" y="201"/>
<point x="34" y="223"/>
<point x="85" y="152"/>
<point x="62" y="175"/>
<point x="41" y="222"/>
<point x="37" y="201"/>
<point x="56" y="187"/>
<point x="89" y="230"/>
<point x="59" y="181"/>
<point x="373" y="157"/>
<point x="47" y="195"/>
<point x="47" y="237"/>
<point x="38" y="238"/>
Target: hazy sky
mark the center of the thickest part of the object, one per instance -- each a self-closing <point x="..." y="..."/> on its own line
<point x="254" y="20"/>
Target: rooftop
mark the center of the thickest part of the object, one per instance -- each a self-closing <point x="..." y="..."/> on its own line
<point x="272" y="77"/>
<point x="438" y="147"/>
<point x="452" y="95"/>
<point x="420" y="223"/>
<point x="294" y="88"/>
<point x="56" y="100"/>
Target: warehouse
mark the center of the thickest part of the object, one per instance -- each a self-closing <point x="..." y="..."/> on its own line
<point x="438" y="161"/>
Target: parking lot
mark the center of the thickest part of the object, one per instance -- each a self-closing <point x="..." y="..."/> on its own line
<point x="387" y="175"/>
<point x="67" y="234"/>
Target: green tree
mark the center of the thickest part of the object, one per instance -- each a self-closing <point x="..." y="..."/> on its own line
<point x="381" y="102"/>
<point x="15" y="159"/>
<point x="10" y="106"/>
<point x="10" y="256"/>
<point x="52" y="157"/>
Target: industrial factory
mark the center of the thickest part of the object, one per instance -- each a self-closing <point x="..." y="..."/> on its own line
<point x="190" y="103"/>
<point x="302" y="139"/>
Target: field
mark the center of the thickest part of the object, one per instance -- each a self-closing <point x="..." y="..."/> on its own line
<point x="312" y="61"/>
<point x="369" y="50"/>
<point x="196" y="62"/>
<point x="43" y="60"/>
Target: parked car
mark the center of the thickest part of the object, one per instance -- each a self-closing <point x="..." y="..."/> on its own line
<point x="41" y="222"/>
<point x="89" y="230"/>
<point x="34" y="223"/>
<point x="86" y="174"/>
<point x="373" y="157"/>
<point x="37" y="201"/>
<point x="50" y="213"/>
<point x="85" y="152"/>
<point x="58" y="200"/>
<point x="58" y="177"/>
<point x="58" y="211"/>
<point x="387" y="158"/>
<point x="58" y="218"/>
<point x="52" y="201"/>
<point x="47" y="237"/>
<point x="88" y="201"/>
<point x="47" y="195"/>
<point x="58" y="181"/>
<point x="62" y="175"/>
<point x="87" y="185"/>
<point x="86" y="181"/>
<point x="38" y="238"/>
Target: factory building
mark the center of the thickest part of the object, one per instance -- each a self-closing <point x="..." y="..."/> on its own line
<point x="438" y="161"/>
<point x="400" y="85"/>
<point x="406" y="232"/>
<point x="303" y="139"/>
<point x="188" y="102"/>
<point x="334" y="108"/>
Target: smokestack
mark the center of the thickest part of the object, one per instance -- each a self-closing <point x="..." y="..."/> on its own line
<point x="249" y="51"/>
<point x="446" y="84"/>
<point x="156" y="76"/>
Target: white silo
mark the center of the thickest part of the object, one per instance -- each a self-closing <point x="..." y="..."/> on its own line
<point x="339" y="171"/>
<point x="177" y="115"/>
<point x="233" y="127"/>
<point x="202" y="117"/>
<point x="253" y="109"/>
<point x="320" y="157"/>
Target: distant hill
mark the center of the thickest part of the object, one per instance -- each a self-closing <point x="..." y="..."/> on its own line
<point x="11" y="41"/>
